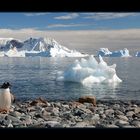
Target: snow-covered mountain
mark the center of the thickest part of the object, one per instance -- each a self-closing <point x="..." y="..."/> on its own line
<point x="45" y="47"/>
<point x="8" y="43"/>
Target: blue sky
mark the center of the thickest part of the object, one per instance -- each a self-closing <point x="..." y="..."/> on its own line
<point x="75" y="30"/>
<point x="69" y="21"/>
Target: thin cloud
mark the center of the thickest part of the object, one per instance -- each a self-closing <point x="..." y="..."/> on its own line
<point x="65" y="25"/>
<point x="35" y="14"/>
<point x="105" y="16"/>
<point x="68" y="16"/>
<point x="122" y="34"/>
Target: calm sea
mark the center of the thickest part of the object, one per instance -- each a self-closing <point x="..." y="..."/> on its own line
<point x="36" y="77"/>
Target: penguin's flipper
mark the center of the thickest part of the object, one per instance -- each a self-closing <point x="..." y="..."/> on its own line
<point x="12" y="98"/>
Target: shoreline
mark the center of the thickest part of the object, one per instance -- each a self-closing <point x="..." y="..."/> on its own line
<point x="40" y="113"/>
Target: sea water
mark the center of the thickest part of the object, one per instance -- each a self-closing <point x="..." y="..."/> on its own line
<point x="34" y="77"/>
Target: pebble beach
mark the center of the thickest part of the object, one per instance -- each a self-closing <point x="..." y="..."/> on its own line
<point x="41" y="113"/>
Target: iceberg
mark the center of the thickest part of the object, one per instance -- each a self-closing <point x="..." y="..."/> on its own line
<point x="13" y="52"/>
<point x="47" y="47"/>
<point x="137" y="54"/>
<point x="106" y="53"/>
<point x="43" y="47"/>
<point x="54" y="52"/>
<point x="2" y="54"/>
<point x="89" y="71"/>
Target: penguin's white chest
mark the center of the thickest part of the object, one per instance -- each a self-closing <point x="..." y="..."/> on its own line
<point x="5" y="99"/>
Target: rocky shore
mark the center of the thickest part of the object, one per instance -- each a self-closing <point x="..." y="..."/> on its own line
<point x="40" y="113"/>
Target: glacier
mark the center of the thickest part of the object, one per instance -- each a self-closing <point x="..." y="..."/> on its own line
<point x="120" y="53"/>
<point x="42" y="47"/>
<point x="89" y="71"/>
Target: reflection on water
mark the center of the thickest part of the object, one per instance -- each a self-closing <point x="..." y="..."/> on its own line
<point x="34" y="77"/>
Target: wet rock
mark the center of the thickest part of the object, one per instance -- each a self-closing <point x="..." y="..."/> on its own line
<point x="12" y="118"/>
<point x="116" y="106"/>
<point x="52" y="124"/>
<point x="128" y="126"/>
<point x="137" y="110"/>
<point x="81" y="106"/>
<point x="136" y="123"/>
<point x="38" y="125"/>
<point x="16" y="114"/>
<point x="88" y="105"/>
<point x="121" y="123"/>
<point x="122" y="109"/>
<point x="118" y="112"/>
<point x="88" y="99"/>
<point x="18" y="124"/>
<point x="100" y="110"/>
<point x="68" y="116"/>
<point x="74" y="104"/>
<point x="103" y="116"/>
<point x="31" y="108"/>
<point x="52" y="118"/>
<point x="78" y="119"/>
<point x="134" y="105"/>
<point x="27" y="121"/>
<point x="136" y="115"/>
<point x="58" y="104"/>
<point x="122" y="117"/>
<point x="49" y="109"/>
<point x="40" y="102"/>
<point x="46" y="113"/>
<point x="130" y="114"/>
<point x="95" y="119"/>
<point x="87" y="111"/>
<point x="55" y="111"/>
<point x="81" y="124"/>
<point x="78" y="112"/>
<point x="101" y="105"/>
<point x="65" y="106"/>
<point x="2" y="116"/>
<point x="112" y="126"/>
<point x="65" y="125"/>
<point x="92" y="109"/>
<point x="109" y="112"/>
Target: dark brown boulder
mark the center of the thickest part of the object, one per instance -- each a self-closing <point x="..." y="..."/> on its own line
<point x="39" y="101"/>
<point x="88" y="99"/>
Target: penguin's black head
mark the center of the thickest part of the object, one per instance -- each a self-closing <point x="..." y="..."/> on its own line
<point x="5" y="85"/>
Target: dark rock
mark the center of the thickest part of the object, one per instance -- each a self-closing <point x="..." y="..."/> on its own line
<point x="40" y="101"/>
<point x="88" y="99"/>
<point x="122" y="117"/>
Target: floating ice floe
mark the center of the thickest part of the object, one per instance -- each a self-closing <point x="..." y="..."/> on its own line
<point x="106" y="53"/>
<point x="89" y="71"/>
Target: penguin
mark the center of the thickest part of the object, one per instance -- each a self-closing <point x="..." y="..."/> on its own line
<point x="6" y="98"/>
